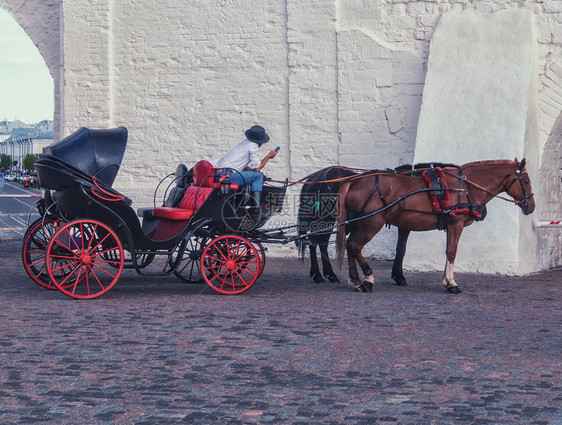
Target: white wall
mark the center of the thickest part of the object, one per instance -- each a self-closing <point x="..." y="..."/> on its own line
<point x="333" y="81"/>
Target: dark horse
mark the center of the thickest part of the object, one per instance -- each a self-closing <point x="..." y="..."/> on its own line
<point x="403" y="200"/>
<point x="317" y="207"/>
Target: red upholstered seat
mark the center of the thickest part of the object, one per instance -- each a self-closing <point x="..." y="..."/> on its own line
<point x="194" y="195"/>
<point x="172" y="213"/>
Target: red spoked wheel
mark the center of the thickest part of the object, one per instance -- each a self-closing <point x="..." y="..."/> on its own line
<point x="230" y="264"/>
<point x="33" y="253"/>
<point x="84" y="259"/>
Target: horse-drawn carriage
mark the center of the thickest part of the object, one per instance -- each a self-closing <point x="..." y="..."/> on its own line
<point x="204" y="228"/>
<point x="88" y="232"/>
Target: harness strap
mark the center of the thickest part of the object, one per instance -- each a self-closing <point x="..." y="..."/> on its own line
<point x="440" y="200"/>
<point x="376" y="189"/>
<point x="435" y="179"/>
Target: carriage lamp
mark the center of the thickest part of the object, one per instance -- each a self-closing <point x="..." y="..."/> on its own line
<point x="225" y="184"/>
<point x="225" y="188"/>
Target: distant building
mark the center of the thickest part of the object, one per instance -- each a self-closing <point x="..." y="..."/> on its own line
<point x="19" y="139"/>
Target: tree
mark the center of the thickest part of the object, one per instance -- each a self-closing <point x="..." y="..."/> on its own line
<point x="29" y="161"/>
<point x="5" y="161"/>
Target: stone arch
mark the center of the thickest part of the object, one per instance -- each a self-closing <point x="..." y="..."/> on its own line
<point x="41" y="22"/>
<point x="550" y="187"/>
<point x="550" y="173"/>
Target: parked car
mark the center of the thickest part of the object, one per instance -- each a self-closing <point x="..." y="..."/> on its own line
<point x="10" y="178"/>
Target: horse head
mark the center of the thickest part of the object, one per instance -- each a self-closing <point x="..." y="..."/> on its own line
<point x="522" y="192"/>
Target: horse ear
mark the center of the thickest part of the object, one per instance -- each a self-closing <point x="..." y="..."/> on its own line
<point x="523" y="161"/>
<point x="516" y="160"/>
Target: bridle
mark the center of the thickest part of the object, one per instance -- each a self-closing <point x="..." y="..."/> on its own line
<point x="520" y="170"/>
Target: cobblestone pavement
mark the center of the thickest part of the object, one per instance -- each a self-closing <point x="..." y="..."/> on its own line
<point x="157" y="351"/>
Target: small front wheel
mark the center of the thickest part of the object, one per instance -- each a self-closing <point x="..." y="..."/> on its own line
<point x="230" y="264"/>
<point x="84" y="259"/>
<point x="189" y="269"/>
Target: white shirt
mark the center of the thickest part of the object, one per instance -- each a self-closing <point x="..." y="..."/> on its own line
<point x="245" y="154"/>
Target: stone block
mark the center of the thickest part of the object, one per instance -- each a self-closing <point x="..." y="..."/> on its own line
<point x="476" y="106"/>
<point x="476" y="89"/>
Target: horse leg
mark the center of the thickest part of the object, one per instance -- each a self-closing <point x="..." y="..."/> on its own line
<point x="315" y="274"/>
<point x="355" y="243"/>
<point x="326" y="265"/>
<point x="354" y="281"/>
<point x="453" y="235"/>
<point x="397" y="266"/>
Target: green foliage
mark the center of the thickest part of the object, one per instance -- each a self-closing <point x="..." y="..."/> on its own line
<point x="29" y="161"/>
<point x="5" y="161"/>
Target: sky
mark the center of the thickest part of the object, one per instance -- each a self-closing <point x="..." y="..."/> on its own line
<point x="26" y="86"/>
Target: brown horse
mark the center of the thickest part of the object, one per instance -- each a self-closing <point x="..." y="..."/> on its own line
<point x="406" y="202"/>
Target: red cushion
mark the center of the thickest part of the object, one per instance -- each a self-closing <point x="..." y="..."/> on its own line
<point x="203" y="174"/>
<point x="194" y="197"/>
<point x="172" y="213"/>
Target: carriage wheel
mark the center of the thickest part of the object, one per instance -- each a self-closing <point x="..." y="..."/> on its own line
<point x="77" y="259"/>
<point x="189" y="269"/>
<point x="35" y="242"/>
<point x="230" y="264"/>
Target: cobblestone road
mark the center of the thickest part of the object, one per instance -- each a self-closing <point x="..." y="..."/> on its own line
<point x="158" y="351"/>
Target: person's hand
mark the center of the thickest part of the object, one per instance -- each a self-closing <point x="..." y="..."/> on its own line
<point x="272" y="154"/>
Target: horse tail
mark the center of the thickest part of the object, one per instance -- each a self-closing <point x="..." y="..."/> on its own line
<point x="302" y="228"/>
<point x="341" y="218"/>
<point x="301" y="249"/>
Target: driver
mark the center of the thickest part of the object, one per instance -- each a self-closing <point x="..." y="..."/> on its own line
<point x="245" y="159"/>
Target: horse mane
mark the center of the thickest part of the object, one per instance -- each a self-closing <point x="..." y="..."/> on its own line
<point x="421" y="165"/>
<point x="488" y="162"/>
<point x="377" y="171"/>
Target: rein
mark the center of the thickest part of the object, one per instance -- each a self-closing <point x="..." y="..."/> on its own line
<point x="366" y="173"/>
<point x="340" y="179"/>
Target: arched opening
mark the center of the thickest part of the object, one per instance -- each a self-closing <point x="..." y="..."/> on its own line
<point x="27" y="105"/>
<point x="39" y="24"/>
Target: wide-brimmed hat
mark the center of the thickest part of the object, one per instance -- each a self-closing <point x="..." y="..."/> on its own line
<point x="257" y="135"/>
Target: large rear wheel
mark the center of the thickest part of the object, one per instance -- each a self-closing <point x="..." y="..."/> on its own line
<point x="33" y="253"/>
<point x="230" y="264"/>
<point x="84" y="259"/>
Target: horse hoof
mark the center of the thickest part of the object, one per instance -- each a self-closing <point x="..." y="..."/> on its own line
<point x="367" y="286"/>
<point x="354" y="283"/>
<point x="400" y="281"/>
<point x="454" y="290"/>
<point x="317" y="278"/>
<point x="332" y="278"/>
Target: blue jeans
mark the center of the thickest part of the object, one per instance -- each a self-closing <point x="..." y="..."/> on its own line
<point x="252" y="178"/>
